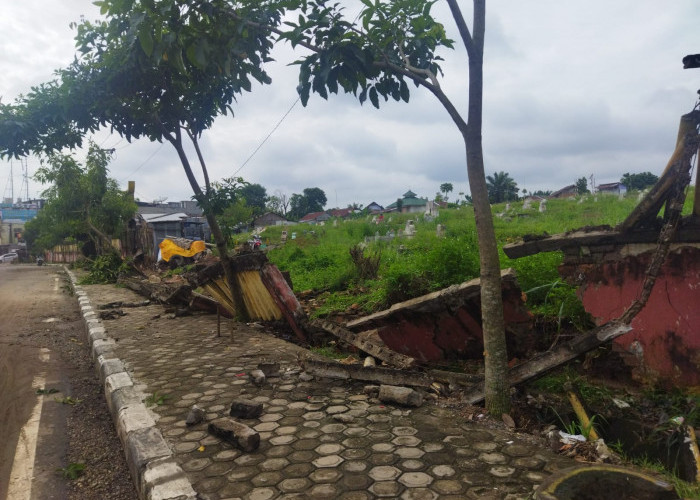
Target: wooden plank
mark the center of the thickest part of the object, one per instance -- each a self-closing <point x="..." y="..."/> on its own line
<point x="548" y="360"/>
<point x="451" y="297"/>
<point x="367" y="342"/>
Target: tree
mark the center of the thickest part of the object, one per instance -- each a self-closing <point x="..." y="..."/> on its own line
<point x="582" y="185"/>
<point x="501" y="187"/>
<point x="82" y="204"/>
<point x="446" y="187"/>
<point x="313" y="200"/>
<point x="394" y="42"/>
<point x="162" y="70"/>
<point x="255" y="197"/>
<point x="278" y="203"/>
<point x="638" y="181"/>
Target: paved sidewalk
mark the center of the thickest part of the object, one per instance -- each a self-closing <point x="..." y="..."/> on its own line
<point x="320" y="439"/>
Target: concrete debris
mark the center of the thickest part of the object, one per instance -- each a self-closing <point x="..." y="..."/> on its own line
<point x="236" y="433"/>
<point x="401" y="395"/>
<point x="369" y="361"/>
<point x="371" y="390"/>
<point x="257" y="376"/>
<point x="245" y="408"/>
<point x="195" y="416"/>
<point x="269" y="368"/>
<point x="305" y="377"/>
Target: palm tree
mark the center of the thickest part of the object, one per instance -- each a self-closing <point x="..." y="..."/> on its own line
<point x="446" y="187"/>
<point x="501" y="187"/>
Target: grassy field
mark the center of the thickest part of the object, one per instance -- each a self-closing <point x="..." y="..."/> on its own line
<point x="319" y="258"/>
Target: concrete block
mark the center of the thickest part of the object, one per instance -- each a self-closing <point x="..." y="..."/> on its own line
<point x="236" y="433"/>
<point x="246" y="408"/>
<point x="401" y="395"/>
<point x="163" y="479"/>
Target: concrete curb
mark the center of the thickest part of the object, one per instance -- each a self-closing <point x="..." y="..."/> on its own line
<point x="154" y="471"/>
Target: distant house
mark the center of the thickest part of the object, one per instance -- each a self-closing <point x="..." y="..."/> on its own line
<point x="565" y="192"/>
<point x="612" y="188"/>
<point x="270" y="219"/>
<point x="410" y="203"/>
<point x="341" y="213"/>
<point x="315" y="217"/>
<point x="374" y="208"/>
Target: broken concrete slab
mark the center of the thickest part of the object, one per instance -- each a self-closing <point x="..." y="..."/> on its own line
<point x="401" y="395"/>
<point x="236" y="433"/>
<point x="246" y="408"/>
<point x="446" y="324"/>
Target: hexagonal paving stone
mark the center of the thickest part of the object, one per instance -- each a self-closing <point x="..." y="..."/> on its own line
<point x="404" y="431"/>
<point x="355" y="482"/>
<point x="384" y="473"/>
<point x="413" y="465"/>
<point x="355" y="453"/>
<point x="282" y="440"/>
<point x="298" y="470"/>
<point x="273" y="464"/>
<point x="278" y="451"/>
<point x="485" y="446"/>
<point x="270" y="417"/>
<point x="383" y="459"/>
<point x="354" y="466"/>
<point x="249" y="459"/>
<point x="294" y="485"/>
<point x="285" y="430"/>
<point x="406" y="441"/>
<point x="269" y="478"/>
<point x="442" y="471"/>
<point x="323" y="491"/>
<point x="501" y="471"/>
<point x="333" y="428"/>
<point x="356" y="443"/>
<point x="419" y="494"/>
<point x="386" y="489"/>
<point x="493" y="458"/>
<point x="266" y="426"/>
<point x="432" y="447"/>
<point x="261" y="494"/>
<point x="197" y="464"/>
<point x="325" y="475"/>
<point x="415" y="479"/>
<point x="239" y="474"/>
<point x="226" y="455"/>
<point x="329" y="449"/>
<point x="408" y="452"/>
<point x="531" y="463"/>
<point x="335" y="409"/>
<point x="218" y="469"/>
<point x="302" y="456"/>
<point x="383" y="447"/>
<point x="314" y="415"/>
<point x="328" y="461"/>
<point x="447" y="486"/>
<point x="356" y="432"/>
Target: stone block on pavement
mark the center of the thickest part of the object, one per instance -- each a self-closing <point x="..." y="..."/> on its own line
<point x="401" y="395"/>
<point x="245" y="408"/>
<point x="235" y="433"/>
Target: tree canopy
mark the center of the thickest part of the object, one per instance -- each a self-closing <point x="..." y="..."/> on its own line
<point x="638" y="181"/>
<point x="501" y="187"/>
<point x="312" y="200"/>
<point x="82" y="203"/>
<point x="582" y="185"/>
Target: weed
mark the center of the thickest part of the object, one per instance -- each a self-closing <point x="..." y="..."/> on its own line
<point x="328" y="351"/>
<point x="47" y="391"/>
<point x="156" y="399"/>
<point x="72" y="471"/>
<point x="104" y="269"/>
<point x="68" y="400"/>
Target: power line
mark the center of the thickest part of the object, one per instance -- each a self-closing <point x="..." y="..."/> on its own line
<point x="142" y="164"/>
<point x="268" y="136"/>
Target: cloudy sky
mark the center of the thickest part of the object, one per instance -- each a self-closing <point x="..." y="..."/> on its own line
<point x="572" y="89"/>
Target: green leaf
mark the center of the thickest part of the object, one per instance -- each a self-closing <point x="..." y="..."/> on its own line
<point x="374" y="97"/>
<point x="405" y="94"/>
<point x="146" y="40"/>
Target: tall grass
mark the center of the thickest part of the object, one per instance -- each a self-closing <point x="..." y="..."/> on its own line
<point x="318" y="259"/>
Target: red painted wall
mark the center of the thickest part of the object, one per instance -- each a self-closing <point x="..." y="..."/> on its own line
<point x="664" y="345"/>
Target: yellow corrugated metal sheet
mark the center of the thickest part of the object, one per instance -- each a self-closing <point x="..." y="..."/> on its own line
<point x="260" y="305"/>
<point x="257" y="298"/>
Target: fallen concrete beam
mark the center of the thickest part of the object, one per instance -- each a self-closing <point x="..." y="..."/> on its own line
<point x="368" y="341"/>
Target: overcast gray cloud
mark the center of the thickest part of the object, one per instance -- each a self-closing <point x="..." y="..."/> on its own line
<point x="572" y="89"/>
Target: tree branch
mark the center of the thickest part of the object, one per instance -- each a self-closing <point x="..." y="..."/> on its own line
<point x="205" y="172"/>
<point x="418" y="71"/>
<point x="462" y="25"/>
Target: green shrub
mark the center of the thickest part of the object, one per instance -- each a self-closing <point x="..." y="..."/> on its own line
<point x="104" y="269"/>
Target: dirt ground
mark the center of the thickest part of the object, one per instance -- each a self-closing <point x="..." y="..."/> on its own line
<point x="42" y="346"/>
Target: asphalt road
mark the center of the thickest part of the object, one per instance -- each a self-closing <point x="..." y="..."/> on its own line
<point x="42" y="347"/>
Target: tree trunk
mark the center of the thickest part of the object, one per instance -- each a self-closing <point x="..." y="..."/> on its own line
<point x="219" y="238"/>
<point x="496" y="387"/>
